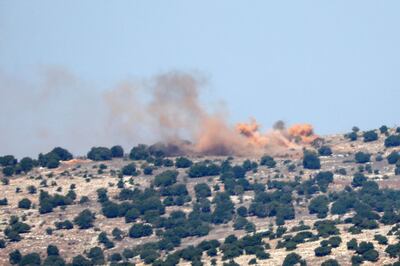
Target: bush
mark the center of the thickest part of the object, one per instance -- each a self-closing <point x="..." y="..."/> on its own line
<point x="183" y="162"/>
<point x="330" y="262"/>
<point x="393" y="157"/>
<point x="362" y="157"/>
<point x="26" y="164"/>
<point x="3" y="202"/>
<point x="319" y="205"/>
<point x="358" y="180"/>
<point x="322" y="251"/>
<point x="392" y="141"/>
<point x="311" y="161"/>
<point x="203" y="169"/>
<point x="382" y="240"/>
<point x="268" y="161"/>
<point x="370" y="136"/>
<point x="54" y="260"/>
<point x="81" y="261"/>
<point x="140" y="230"/>
<point x="352" y="244"/>
<point x="8" y="170"/>
<point x="63" y="154"/>
<point x="131" y="215"/>
<point x="67" y="224"/>
<point x="325" y="151"/>
<point x="293" y="259"/>
<point x="117" y="151"/>
<point x="99" y="154"/>
<point x="8" y="160"/>
<point x="31" y="259"/>
<point x="166" y="178"/>
<point x="52" y="250"/>
<point x="140" y="152"/>
<point x="15" y="257"/>
<point x="371" y="255"/>
<point x="335" y="241"/>
<point x="24" y="203"/>
<point x="148" y="170"/>
<point x="129" y="169"/>
<point x="202" y="190"/>
<point x="85" y="219"/>
<point x="352" y="136"/>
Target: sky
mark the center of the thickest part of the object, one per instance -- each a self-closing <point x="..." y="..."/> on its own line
<point x="334" y="64"/>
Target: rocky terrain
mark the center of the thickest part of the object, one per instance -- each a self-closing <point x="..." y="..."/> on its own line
<point x="302" y="207"/>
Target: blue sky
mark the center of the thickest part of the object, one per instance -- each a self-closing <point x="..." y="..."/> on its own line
<point x="334" y="64"/>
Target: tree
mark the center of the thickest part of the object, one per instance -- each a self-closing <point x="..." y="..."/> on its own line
<point x="63" y="154"/>
<point x="392" y="141"/>
<point x="140" y="230"/>
<point x="31" y="259"/>
<point x="370" y="136"/>
<point x="81" y="261"/>
<point x="393" y="157"/>
<point x="383" y="129"/>
<point x="8" y="160"/>
<point x="330" y="262"/>
<point x="322" y="251"/>
<point x="24" y="203"/>
<point x="293" y="259"/>
<point x="311" y="160"/>
<point x="140" y="152"/>
<point x="319" y="205"/>
<point x="371" y="255"/>
<point x="352" y="244"/>
<point x="129" y="169"/>
<point x="358" y="180"/>
<point x="52" y="250"/>
<point x="85" y="219"/>
<point x="166" y="178"/>
<point x="183" y="162"/>
<point x="54" y="260"/>
<point x="15" y="257"/>
<point x="202" y="190"/>
<point x="323" y="179"/>
<point x="26" y="164"/>
<point x="117" y="151"/>
<point x="8" y="170"/>
<point x="335" y="241"/>
<point x="268" y="161"/>
<point x="325" y="151"/>
<point x="131" y="215"/>
<point x="203" y="169"/>
<point x="96" y="255"/>
<point x="382" y="240"/>
<point x="99" y="154"/>
<point x="362" y="157"/>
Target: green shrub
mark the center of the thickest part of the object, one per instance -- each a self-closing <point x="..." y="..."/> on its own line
<point x="129" y="169"/>
<point x="117" y="151"/>
<point x="268" y="161"/>
<point x="392" y="141"/>
<point x="24" y="203"/>
<point x="311" y="160"/>
<point x="362" y="157"/>
<point x="140" y="230"/>
<point x="370" y="136"/>
<point x="99" y="154"/>
<point x="85" y="219"/>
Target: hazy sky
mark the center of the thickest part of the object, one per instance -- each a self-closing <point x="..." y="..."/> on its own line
<point x="334" y="64"/>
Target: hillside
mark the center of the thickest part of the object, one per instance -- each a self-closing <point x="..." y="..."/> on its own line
<point x="147" y="208"/>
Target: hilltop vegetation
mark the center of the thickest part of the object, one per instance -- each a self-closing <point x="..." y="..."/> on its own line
<point x="334" y="203"/>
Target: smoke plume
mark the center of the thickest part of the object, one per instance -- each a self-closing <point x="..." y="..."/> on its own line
<point x="61" y="110"/>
